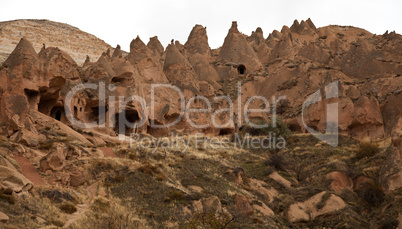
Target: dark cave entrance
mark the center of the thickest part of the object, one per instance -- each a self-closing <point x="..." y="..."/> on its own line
<point x="57" y="116"/>
<point x="57" y="113"/>
<point x="32" y="97"/>
<point x="126" y="122"/>
<point x="225" y="131"/>
<point x="241" y="69"/>
<point x="98" y="114"/>
<point x="46" y="104"/>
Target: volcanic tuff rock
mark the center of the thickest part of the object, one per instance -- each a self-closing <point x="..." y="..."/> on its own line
<point x="76" y="43"/>
<point x="295" y="63"/>
<point x="105" y="179"/>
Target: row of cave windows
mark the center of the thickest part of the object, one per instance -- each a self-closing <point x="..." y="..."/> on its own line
<point x="131" y="116"/>
<point x="57" y="112"/>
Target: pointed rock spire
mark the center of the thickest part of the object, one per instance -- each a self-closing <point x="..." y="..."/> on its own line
<point x="197" y="41"/>
<point x="117" y="53"/>
<point x="311" y="24"/>
<point x="276" y="34"/>
<point x="173" y="56"/>
<point x="155" y="45"/>
<point x="138" y="50"/>
<point x="148" y="65"/>
<point x="285" y="29"/>
<point x="104" y="64"/>
<point x="179" y="71"/>
<point x="137" y="44"/>
<point x="23" y="51"/>
<point x="257" y="37"/>
<point x="234" y="29"/>
<point x="236" y="49"/>
<point x="304" y="28"/>
<point x="295" y="26"/>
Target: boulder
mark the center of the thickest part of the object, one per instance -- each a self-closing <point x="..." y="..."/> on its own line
<point x="278" y="178"/>
<point x="3" y="217"/>
<point x="77" y="178"/>
<point x="243" y="206"/>
<point x="55" y="160"/>
<point x="340" y="181"/>
<point x="261" y="187"/>
<point x="308" y="210"/>
<point x="27" y="137"/>
<point x="212" y="205"/>
<point x="11" y="179"/>
<point x="263" y="208"/>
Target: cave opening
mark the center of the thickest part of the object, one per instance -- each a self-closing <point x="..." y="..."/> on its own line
<point x="32" y="97"/>
<point x="126" y="122"/>
<point x="225" y="131"/>
<point x="46" y="104"/>
<point x="57" y="113"/>
<point x="98" y="114"/>
<point x="241" y="69"/>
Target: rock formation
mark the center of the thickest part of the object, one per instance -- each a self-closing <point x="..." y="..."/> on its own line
<point x="83" y="148"/>
<point x="294" y="63"/>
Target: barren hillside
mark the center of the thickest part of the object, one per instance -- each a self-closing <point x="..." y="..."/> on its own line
<point x="78" y="44"/>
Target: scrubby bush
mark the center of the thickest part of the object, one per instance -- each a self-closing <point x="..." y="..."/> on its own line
<point x="68" y="208"/>
<point x="366" y="149"/>
<point x="176" y="195"/>
<point x="152" y="170"/>
<point x="389" y="224"/>
<point x="57" y="196"/>
<point x="276" y="161"/>
<point x="7" y="196"/>
<point x="372" y="194"/>
<point x="281" y="129"/>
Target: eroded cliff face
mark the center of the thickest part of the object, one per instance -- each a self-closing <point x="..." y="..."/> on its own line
<point x="78" y="44"/>
<point x="295" y="63"/>
<point x="108" y="176"/>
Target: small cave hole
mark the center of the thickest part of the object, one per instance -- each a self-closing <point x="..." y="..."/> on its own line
<point x="126" y="122"/>
<point x="97" y="114"/>
<point x="32" y="96"/>
<point x="241" y="69"/>
<point x="57" y="116"/>
<point x="225" y="131"/>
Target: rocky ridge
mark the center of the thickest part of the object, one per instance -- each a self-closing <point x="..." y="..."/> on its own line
<point x="78" y="44"/>
<point x="87" y="175"/>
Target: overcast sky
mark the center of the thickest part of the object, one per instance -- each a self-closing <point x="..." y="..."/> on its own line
<point x="118" y="22"/>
